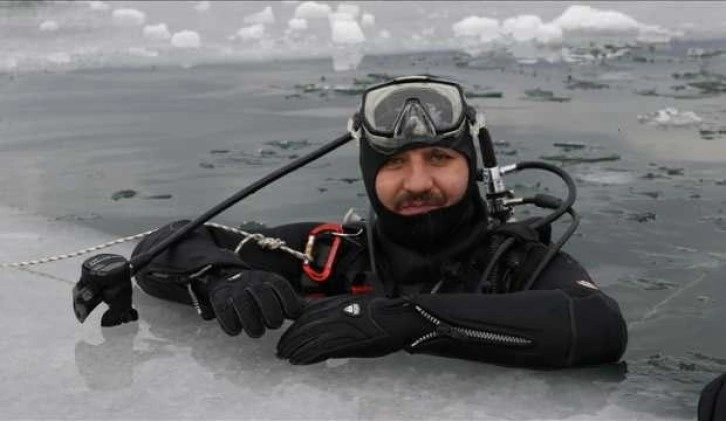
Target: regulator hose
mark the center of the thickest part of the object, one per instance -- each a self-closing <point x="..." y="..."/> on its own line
<point x="561" y="207"/>
<point x="142" y="260"/>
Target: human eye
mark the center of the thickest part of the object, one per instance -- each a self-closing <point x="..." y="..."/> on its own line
<point x="394" y="161"/>
<point x="439" y="156"/>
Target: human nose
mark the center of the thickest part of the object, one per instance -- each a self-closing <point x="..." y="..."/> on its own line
<point x="418" y="179"/>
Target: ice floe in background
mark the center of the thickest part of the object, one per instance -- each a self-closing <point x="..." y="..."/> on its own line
<point x="142" y="52"/>
<point x="158" y="32"/>
<point x="48" y="26"/>
<point x="202" y="6"/>
<point x="347" y="37"/>
<point x="129" y="17"/>
<point x="98" y="6"/>
<point x="97" y="33"/>
<point x="263" y="17"/>
<point x="186" y="39"/>
<point x="671" y="117"/>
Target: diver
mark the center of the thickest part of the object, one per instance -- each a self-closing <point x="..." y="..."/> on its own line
<point x="712" y="401"/>
<point x="424" y="272"/>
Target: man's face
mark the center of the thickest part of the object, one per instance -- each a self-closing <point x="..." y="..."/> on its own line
<point x="422" y="180"/>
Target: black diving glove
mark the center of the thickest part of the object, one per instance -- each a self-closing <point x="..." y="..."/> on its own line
<point x="252" y="300"/>
<point x="351" y="326"/>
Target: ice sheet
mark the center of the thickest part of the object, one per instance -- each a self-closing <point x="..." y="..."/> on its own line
<point x="171" y="364"/>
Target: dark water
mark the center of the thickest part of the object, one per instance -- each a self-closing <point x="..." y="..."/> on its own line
<point x="124" y="151"/>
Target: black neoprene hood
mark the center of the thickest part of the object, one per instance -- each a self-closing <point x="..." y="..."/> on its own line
<point x="429" y="230"/>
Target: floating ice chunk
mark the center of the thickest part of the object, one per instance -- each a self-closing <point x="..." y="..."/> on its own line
<point x="549" y="34"/>
<point x="48" y="26"/>
<point x="384" y="34"/>
<point x="341" y="16"/>
<point x="587" y="19"/>
<point x="670" y="117"/>
<point x="349" y="9"/>
<point x="98" y="6"/>
<point x="367" y="20"/>
<point x="653" y="34"/>
<point x="142" y="52"/>
<point x="312" y="10"/>
<point x="695" y="52"/>
<point x="345" y="31"/>
<point x="159" y="32"/>
<point x="129" y="17"/>
<point x="186" y="39"/>
<point x="297" y="24"/>
<point x="475" y="26"/>
<point x="526" y="28"/>
<point x="59" y="58"/>
<point x="9" y="65"/>
<point x="616" y="76"/>
<point x="202" y="6"/>
<point x="254" y="32"/>
<point x="523" y="27"/>
<point x="263" y="17"/>
<point x="346" y="58"/>
<point x="607" y="177"/>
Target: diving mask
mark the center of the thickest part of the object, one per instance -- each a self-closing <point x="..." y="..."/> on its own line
<point x="410" y="110"/>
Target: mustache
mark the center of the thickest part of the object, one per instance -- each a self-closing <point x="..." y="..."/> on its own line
<point x="428" y="198"/>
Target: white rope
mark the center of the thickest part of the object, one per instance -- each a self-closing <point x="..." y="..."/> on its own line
<point x="75" y="254"/>
<point x="269" y="243"/>
<point x="264" y="242"/>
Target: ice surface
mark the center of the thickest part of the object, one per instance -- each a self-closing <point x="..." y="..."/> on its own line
<point x="171" y="364"/>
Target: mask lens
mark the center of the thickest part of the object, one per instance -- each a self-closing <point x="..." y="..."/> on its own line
<point x="414" y="124"/>
<point x="442" y="102"/>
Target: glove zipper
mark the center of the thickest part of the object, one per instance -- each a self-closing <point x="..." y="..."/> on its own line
<point x="443" y="329"/>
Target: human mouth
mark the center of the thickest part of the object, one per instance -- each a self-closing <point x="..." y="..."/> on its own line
<point x="416" y="208"/>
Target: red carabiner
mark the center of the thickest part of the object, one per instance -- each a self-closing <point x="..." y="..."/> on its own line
<point x="322" y="275"/>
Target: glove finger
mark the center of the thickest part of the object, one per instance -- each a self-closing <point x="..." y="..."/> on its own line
<point x="286" y="347"/>
<point x="297" y="334"/>
<point x="327" y="346"/>
<point x="292" y="304"/>
<point x="311" y="352"/>
<point x="248" y="314"/>
<point x="269" y="305"/>
<point x="227" y="316"/>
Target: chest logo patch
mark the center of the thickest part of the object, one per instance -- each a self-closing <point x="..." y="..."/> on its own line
<point x="352" y="310"/>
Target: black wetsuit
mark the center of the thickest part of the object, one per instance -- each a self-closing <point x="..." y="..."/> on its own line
<point x="563" y="320"/>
